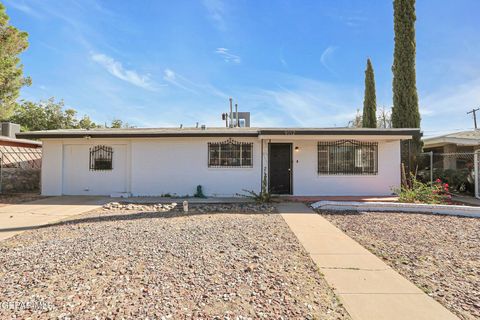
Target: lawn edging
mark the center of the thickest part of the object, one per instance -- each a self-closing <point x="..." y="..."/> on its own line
<point x="454" y="210"/>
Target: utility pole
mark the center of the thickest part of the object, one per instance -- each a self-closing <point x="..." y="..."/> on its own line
<point x="474" y="111"/>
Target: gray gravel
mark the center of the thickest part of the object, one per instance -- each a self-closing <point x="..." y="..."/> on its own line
<point x="440" y="254"/>
<point x="163" y="265"/>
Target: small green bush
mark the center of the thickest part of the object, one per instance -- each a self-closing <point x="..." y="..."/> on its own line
<point x="419" y="192"/>
<point x="264" y="196"/>
<point x="460" y="180"/>
<point x="199" y="193"/>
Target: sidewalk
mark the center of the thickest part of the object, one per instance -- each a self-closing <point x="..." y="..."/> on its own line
<point x="17" y="218"/>
<point x="368" y="288"/>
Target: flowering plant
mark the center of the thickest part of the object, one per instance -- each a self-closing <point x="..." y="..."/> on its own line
<point x="419" y="192"/>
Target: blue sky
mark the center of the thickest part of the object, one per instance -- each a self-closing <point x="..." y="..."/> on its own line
<point x="290" y="63"/>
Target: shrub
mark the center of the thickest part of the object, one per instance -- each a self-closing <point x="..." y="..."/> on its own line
<point x="460" y="180"/>
<point x="264" y="196"/>
<point x="199" y="193"/>
<point x="419" y="192"/>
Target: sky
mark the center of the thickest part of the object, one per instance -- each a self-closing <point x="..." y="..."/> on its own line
<point x="291" y="63"/>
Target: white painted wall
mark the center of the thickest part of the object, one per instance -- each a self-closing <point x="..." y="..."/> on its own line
<point x="52" y="165"/>
<point x="177" y="165"/>
<point x="167" y="165"/>
<point x="78" y="179"/>
<point x="307" y="182"/>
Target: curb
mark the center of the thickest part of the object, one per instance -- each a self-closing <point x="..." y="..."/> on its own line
<point x="452" y="210"/>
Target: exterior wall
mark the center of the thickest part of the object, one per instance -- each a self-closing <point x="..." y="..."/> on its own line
<point x="156" y="166"/>
<point x="307" y="182"/>
<point x="177" y="166"/>
<point x="52" y="166"/>
<point x="78" y="179"/>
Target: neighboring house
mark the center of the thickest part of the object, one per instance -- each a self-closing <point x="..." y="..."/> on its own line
<point x="18" y="152"/>
<point x="452" y="146"/>
<point x="20" y="161"/>
<point x="224" y="161"/>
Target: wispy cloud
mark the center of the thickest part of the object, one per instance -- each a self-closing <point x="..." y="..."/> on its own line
<point x="299" y="101"/>
<point x="177" y="80"/>
<point x="23" y="7"/>
<point x="216" y="11"/>
<point x="326" y="57"/>
<point x="437" y="108"/>
<point x="116" y="69"/>
<point x="227" y="56"/>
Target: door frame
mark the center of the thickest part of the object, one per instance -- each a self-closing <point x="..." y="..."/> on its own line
<point x="291" y="164"/>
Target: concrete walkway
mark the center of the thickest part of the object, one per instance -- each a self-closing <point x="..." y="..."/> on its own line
<point x="17" y="218"/>
<point x="368" y="288"/>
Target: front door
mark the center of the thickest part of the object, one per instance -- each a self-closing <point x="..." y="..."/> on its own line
<point x="280" y="168"/>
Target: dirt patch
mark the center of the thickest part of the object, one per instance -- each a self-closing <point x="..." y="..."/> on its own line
<point x="440" y="254"/>
<point x="14" y="198"/>
<point x="154" y="265"/>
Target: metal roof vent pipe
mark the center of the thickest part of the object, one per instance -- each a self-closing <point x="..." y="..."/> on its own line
<point x="204" y="127"/>
<point x="231" y="113"/>
<point x="237" y="120"/>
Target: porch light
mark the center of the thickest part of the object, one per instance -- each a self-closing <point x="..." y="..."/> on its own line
<point x="297" y="149"/>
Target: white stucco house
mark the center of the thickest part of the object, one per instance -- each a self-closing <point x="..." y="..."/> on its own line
<point x="224" y="161"/>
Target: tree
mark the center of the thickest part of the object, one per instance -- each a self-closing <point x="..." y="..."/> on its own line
<point x="117" y="124"/>
<point x="87" y="123"/>
<point x="369" y="118"/>
<point x="405" y="113"/>
<point x="384" y="118"/>
<point x="357" y="121"/>
<point x="48" y="115"/>
<point x="12" y="43"/>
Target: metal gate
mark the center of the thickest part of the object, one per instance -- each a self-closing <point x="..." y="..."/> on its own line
<point x="20" y="170"/>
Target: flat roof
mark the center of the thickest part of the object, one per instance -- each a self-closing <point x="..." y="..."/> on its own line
<point x="207" y="132"/>
<point x="466" y="138"/>
<point x="20" y="141"/>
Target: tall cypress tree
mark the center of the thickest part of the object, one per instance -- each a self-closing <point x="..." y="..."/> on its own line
<point x="405" y="113"/>
<point x="369" y="119"/>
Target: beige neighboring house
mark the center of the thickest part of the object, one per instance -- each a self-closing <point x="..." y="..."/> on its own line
<point x="463" y="142"/>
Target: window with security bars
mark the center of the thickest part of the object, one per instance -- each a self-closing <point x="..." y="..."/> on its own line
<point x="347" y="157"/>
<point x="101" y="158"/>
<point x="230" y="154"/>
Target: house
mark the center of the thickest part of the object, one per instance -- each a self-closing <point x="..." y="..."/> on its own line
<point x="454" y="149"/>
<point x="224" y="161"/>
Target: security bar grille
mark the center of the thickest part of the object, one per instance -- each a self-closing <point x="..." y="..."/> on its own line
<point x="101" y="158"/>
<point x="230" y="154"/>
<point x="347" y="157"/>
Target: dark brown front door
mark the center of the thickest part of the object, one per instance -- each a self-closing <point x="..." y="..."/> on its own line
<point x="280" y="168"/>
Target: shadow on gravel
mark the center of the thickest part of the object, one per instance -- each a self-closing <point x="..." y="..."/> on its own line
<point x="127" y="216"/>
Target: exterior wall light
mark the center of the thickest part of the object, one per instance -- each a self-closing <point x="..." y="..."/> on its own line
<point x="297" y="149"/>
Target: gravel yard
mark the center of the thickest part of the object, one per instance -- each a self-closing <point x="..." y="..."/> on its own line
<point x="114" y="263"/>
<point x="440" y="254"/>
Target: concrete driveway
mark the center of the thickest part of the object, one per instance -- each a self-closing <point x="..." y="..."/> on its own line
<point x="17" y="218"/>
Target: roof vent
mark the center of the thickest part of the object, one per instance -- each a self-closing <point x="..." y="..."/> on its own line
<point x="204" y="127"/>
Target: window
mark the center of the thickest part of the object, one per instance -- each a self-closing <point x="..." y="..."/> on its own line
<point x="347" y="157"/>
<point x="101" y="158"/>
<point x="230" y="154"/>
